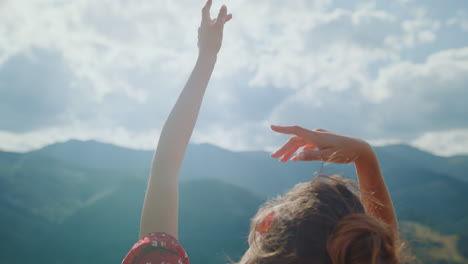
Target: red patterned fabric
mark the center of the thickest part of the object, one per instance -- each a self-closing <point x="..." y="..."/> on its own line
<point x="157" y="248"/>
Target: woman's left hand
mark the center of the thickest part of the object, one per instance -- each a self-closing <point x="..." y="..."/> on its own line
<point x="210" y="33"/>
<point x="320" y="145"/>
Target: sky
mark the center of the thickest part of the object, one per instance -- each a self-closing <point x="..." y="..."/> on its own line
<point x="387" y="71"/>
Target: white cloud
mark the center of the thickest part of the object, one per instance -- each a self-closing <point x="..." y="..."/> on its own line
<point x="442" y="72"/>
<point x="417" y="30"/>
<point x="98" y="39"/>
<point x="461" y="20"/>
<point x="238" y="137"/>
<point x="413" y="99"/>
<point x="425" y="97"/>
<point x="304" y="62"/>
<point x="444" y="143"/>
<point x="115" y="135"/>
<point x="368" y="12"/>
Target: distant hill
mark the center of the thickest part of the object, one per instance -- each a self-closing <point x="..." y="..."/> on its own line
<point x="214" y="223"/>
<point x="98" y="188"/>
<point x="201" y="162"/>
<point x="431" y="246"/>
<point x="55" y="189"/>
<point x="94" y="154"/>
<point x="458" y="167"/>
<point x="404" y="156"/>
<point x="409" y="173"/>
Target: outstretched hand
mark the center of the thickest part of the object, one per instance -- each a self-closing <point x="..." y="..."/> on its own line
<point x="322" y="145"/>
<point x="210" y="33"/>
<point x="319" y="145"/>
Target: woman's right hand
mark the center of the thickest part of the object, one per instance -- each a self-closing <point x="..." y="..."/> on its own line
<point x="320" y="145"/>
<point x="210" y="33"/>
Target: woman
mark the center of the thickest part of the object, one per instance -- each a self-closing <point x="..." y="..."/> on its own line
<point x="321" y="221"/>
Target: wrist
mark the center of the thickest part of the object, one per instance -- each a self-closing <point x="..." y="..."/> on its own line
<point x="366" y="153"/>
<point x="209" y="56"/>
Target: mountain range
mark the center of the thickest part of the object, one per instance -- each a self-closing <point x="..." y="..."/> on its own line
<point x="80" y="201"/>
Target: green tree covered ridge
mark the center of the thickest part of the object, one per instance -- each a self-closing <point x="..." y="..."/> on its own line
<point x="88" y="195"/>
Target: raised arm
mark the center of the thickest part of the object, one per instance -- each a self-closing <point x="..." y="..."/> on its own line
<point x="160" y="208"/>
<point x="322" y="145"/>
<point x="374" y="193"/>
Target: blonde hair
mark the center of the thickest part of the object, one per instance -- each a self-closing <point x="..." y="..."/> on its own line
<point x="320" y="222"/>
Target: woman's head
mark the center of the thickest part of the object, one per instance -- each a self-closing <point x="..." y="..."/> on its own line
<point x="322" y="221"/>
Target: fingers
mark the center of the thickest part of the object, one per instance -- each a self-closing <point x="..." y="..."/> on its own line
<point x="288" y="154"/>
<point x="222" y="16"/>
<point x="321" y="130"/>
<point x="308" y="147"/>
<point x="290" y="147"/>
<point x="312" y="155"/>
<point x="293" y="143"/>
<point x="229" y="17"/>
<point x="206" y="11"/>
<point x="303" y="137"/>
<point x="295" y="130"/>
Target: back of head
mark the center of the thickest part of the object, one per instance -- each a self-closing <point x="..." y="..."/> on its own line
<point x="360" y="238"/>
<point x="319" y="222"/>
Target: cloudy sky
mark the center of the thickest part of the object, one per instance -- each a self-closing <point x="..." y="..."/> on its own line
<point x="387" y="71"/>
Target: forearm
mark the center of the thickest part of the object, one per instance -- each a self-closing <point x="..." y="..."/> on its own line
<point x="178" y="128"/>
<point x="160" y="208"/>
<point x="374" y="193"/>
